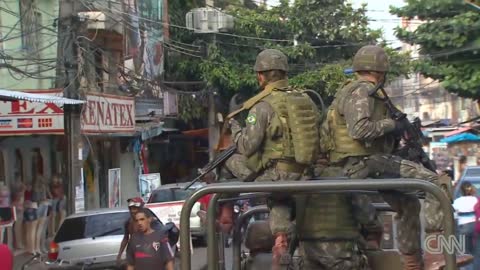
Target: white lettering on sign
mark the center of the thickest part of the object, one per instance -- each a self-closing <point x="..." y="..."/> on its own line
<point x="22" y="117"/>
<point x="108" y="114"/>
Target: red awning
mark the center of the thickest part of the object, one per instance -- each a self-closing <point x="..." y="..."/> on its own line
<point x="197" y="133"/>
<point x="458" y="131"/>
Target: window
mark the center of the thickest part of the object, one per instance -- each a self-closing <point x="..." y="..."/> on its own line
<point x="170" y="195"/>
<point x="31" y="25"/>
<point x="92" y="226"/>
<point x="98" y="58"/>
<point x="1" y="34"/>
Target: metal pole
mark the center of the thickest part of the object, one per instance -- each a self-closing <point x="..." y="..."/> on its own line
<point x="237" y="239"/>
<point x="309" y="186"/>
<point x="211" y="232"/>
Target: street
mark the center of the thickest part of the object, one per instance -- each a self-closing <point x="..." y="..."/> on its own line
<point x="199" y="260"/>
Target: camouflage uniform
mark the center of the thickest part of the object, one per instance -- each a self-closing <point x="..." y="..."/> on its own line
<point x="363" y="142"/>
<point x="249" y="140"/>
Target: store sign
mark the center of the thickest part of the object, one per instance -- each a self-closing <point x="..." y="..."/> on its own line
<point x="24" y="117"/>
<point x="108" y="114"/>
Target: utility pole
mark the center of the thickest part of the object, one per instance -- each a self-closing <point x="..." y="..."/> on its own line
<point x="212" y="127"/>
<point x="68" y="24"/>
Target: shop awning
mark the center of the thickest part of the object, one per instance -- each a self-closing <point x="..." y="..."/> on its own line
<point x="151" y="130"/>
<point x="10" y="95"/>
<point x="463" y="137"/>
<point x="458" y="131"/>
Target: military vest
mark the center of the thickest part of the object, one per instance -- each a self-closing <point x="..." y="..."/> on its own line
<point x="326" y="216"/>
<point x="336" y="140"/>
<point x="293" y="133"/>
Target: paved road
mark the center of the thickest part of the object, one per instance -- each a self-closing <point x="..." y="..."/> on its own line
<point x="199" y="260"/>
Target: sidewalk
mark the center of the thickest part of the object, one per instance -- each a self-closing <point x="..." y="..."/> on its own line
<point x="21" y="257"/>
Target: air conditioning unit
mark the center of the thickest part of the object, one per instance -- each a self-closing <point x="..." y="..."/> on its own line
<point x="95" y="19"/>
<point x="208" y="20"/>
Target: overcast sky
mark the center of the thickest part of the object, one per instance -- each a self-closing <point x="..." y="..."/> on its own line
<point x="378" y="12"/>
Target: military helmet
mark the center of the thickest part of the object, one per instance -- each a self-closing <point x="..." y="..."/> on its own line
<point x="271" y="59"/>
<point x="371" y="58"/>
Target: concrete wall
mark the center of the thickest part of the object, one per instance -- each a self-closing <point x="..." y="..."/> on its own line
<point x="13" y="46"/>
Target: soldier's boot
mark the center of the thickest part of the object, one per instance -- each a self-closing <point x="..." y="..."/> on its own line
<point x="279" y="251"/>
<point x="434" y="261"/>
<point x="412" y="262"/>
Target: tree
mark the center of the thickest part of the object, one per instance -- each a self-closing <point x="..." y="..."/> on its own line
<point x="449" y="42"/>
<point x="319" y="37"/>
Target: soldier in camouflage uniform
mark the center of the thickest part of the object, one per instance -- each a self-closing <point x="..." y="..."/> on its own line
<point x="359" y="136"/>
<point x="280" y="140"/>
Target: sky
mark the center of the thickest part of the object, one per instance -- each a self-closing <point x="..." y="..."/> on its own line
<point x="378" y="13"/>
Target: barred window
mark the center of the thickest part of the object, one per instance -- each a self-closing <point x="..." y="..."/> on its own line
<point x="31" y="23"/>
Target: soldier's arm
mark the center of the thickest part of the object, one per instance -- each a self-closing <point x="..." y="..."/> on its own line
<point x="250" y="138"/>
<point x="358" y="112"/>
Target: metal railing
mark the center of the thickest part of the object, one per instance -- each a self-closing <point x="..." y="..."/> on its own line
<point x="299" y="187"/>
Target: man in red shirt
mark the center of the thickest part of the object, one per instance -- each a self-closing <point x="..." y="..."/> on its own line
<point x="6" y="258"/>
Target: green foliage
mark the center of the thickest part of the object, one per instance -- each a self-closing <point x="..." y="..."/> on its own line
<point x="449" y="42"/>
<point x="319" y="36"/>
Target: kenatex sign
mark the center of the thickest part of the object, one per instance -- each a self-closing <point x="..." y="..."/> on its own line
<point x="108" y="114"/>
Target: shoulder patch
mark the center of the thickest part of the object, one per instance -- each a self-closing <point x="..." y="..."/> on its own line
<point x="252" y="119"/>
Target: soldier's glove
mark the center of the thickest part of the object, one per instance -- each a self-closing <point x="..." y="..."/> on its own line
<point x="234" y="127"/>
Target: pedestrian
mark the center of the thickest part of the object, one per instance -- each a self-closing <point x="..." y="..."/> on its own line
<point x="360" y="136"/>
<point x="148" y="249"/>
<point x="134" y="205"/>
<point x="279" y="142"/>
<point x="465" y="213"/>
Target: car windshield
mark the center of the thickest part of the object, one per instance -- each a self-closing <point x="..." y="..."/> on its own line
<point x="170" y="195"/>
<point x="107" y="224"/>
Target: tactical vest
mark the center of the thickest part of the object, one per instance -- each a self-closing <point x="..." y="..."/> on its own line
<point x="326" y="216"/>
<point x="335" y="137"/>
<point x="293" y="133"/>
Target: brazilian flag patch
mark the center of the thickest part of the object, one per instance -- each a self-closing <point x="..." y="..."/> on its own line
<point x="252" y="119"/>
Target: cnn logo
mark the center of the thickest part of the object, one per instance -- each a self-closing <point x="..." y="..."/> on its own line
<point x="438" y="244"/>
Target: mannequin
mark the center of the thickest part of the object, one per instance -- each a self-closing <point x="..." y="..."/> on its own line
<point x="30" y="225"/>
<point x="41" y="195"/>
<point x="18" y="198"/>
<point x="5" y="202"/>
<point x="56" y="189"/>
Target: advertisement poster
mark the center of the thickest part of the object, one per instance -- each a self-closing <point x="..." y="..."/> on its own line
<point x="148" y="183"/>
<point x="114" y="183"/>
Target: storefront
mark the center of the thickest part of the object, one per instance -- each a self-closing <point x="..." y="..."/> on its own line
<point x="110" y="175"/>
<point x="31" y="129"/>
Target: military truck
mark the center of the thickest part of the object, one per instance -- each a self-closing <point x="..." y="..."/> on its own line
<point x="257" y="254"/>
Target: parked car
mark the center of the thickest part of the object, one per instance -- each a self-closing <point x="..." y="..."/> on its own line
<point x="90" y="240"/>
<point x="167" y="202"/>
<point x="471" y="174"/>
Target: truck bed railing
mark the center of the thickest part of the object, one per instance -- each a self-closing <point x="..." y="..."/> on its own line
<point x="299" y="187"/>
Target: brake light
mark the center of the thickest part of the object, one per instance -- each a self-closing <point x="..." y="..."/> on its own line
<point x="53" y="251"/>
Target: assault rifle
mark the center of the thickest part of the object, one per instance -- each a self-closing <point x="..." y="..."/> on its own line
<point x="214" y="164"/>
<point x="412" y="136"/>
